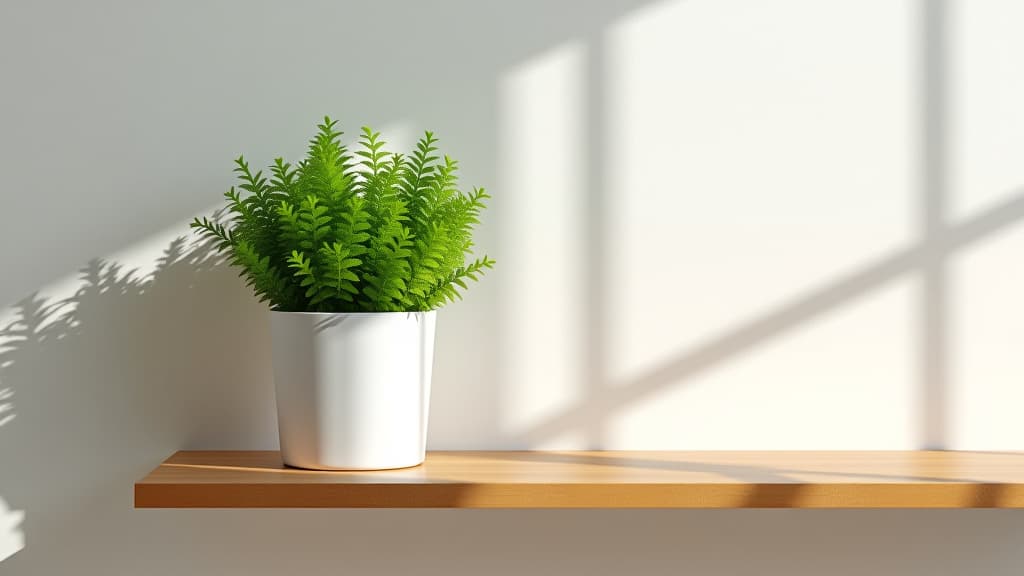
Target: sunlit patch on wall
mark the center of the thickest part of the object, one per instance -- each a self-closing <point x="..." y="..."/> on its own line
<point x="12" y="538"/>
<point x="986" y="91"/>
<point x="843" y="381"/>
<point x="541" y="168"/>
<point x="987" y="331"/>
<point x="6" y="405"/>
<point x="757" y="159"/>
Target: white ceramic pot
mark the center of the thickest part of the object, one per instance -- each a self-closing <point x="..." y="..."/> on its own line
<point x="353" y="389"/>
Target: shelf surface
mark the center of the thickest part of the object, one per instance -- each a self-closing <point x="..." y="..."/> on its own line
<point x="258" y="479"/>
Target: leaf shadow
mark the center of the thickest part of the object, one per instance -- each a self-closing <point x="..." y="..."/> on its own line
<point x="96" y="385"/>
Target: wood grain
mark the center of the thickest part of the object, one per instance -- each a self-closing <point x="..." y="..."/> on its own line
<point x="258" y="479"/>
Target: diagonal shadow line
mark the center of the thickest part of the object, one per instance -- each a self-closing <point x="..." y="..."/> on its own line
<point x="780" y="321"/>
<point x="744" y="473"/>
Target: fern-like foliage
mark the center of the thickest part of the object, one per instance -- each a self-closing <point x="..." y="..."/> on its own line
<point x="340" y="231"/>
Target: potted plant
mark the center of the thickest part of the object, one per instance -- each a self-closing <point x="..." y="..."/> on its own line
<point x="355" y="252"/>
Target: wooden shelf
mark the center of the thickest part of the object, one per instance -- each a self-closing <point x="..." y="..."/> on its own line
<point x="258" y="479"/>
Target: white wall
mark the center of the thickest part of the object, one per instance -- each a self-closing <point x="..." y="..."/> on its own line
<point x="719" y="224"/>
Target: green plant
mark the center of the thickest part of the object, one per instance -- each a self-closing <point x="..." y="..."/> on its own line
<point x="364" y="231"/>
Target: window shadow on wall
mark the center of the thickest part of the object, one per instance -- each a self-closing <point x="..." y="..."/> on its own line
<point x="939" y="241"/>
<point x="600" y="405"/>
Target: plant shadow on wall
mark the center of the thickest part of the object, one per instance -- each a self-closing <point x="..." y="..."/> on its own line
<point x="141" y="364"/>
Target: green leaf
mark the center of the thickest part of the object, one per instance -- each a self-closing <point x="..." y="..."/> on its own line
<point x="341" y="231"/>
